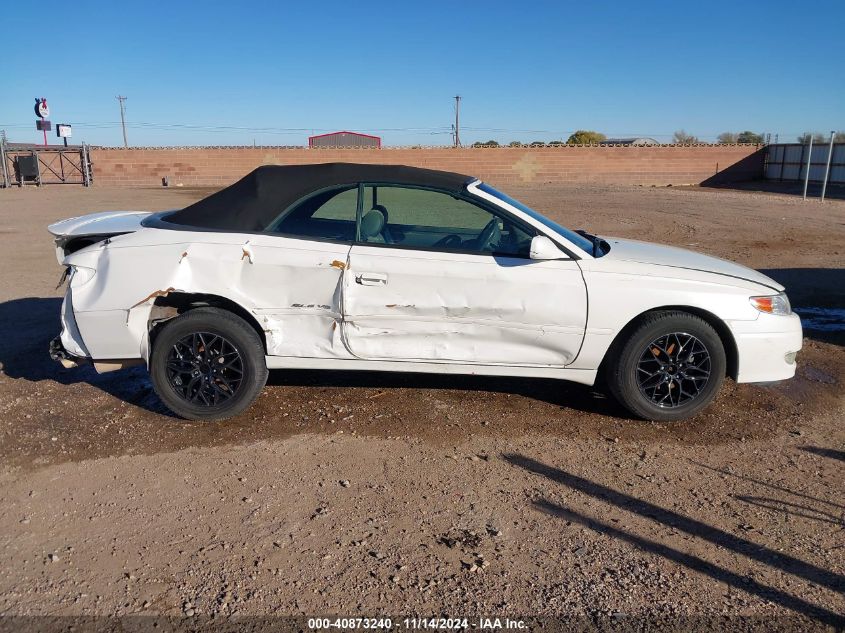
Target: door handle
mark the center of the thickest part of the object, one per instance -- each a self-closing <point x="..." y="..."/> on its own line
<point x="371" y="279"/>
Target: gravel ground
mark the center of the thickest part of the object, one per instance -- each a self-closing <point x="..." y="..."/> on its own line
<point x="365" y="494"/>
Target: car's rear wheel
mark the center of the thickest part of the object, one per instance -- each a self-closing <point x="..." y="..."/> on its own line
<point x="669" y="368"/>
<point x="207" y="365"/>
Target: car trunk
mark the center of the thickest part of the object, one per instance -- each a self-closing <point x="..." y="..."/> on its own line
<point x="76" y="233"/>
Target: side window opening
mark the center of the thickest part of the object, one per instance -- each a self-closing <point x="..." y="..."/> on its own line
<point x="422" y="218"/>
<point x="328" y="214"/>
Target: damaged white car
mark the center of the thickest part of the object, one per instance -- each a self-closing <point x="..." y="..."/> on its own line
<point x="391" y="268"/>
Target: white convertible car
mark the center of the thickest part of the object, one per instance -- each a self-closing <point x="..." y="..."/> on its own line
<point x="391" y="268"/>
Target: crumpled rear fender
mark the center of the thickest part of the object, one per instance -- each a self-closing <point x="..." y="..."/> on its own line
<point x="115" y="308"/>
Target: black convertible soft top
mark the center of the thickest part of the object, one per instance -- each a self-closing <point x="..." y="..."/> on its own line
<point x="258" y="198"/>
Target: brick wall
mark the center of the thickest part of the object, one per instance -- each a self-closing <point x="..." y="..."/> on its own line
<point x="658" y="165"/>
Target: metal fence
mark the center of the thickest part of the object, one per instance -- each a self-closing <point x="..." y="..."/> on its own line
<point x="788" y="162"/>
<point x="44" y="165"/>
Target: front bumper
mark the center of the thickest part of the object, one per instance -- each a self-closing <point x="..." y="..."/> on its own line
<point x="764" y="347"/>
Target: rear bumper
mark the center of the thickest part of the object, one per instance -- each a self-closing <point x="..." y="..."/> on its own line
<point x="59" y="353"/>
<point x="766" y="347"/>
<point x="70" y="350"/>
<point x="70" y="338"/>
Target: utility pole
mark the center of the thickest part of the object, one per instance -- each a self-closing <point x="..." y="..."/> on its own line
<point x="123" y="118"/>
<point x="457" y="120"/>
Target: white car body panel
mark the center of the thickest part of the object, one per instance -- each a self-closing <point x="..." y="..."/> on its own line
<point x="661" y="255"/>
<point x="761" y="346"/>
<point x="403" y="304"/>
<point x="323" y="304"/>
<point x="582" y="376"/>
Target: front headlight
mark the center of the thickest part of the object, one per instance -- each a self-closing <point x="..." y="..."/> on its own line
<point x="772" y="304"/>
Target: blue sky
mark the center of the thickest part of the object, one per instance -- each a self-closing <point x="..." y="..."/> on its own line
<point x="271" y="72"/>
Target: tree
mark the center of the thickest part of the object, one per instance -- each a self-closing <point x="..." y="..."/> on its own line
<point x="556" y="143"/>
<point x="818" y="137"/>
<point x="585" y="137"/>
<point x="839" y="137"/>
<point x="749" y="137"/>
<point x="485" y="144"/>
<point x="727" y="137"/>
<point x="514" y="144"/>
<point x="682" y="138"/>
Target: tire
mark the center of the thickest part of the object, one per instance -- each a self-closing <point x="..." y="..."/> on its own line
<point x="651" y="374"/>
<point x="207" y="365"/>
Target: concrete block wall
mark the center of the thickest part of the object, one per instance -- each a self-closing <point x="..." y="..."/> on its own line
<point x="500" y="166"/>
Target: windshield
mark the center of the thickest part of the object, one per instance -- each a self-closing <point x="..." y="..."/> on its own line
<point x="578" y="240"/>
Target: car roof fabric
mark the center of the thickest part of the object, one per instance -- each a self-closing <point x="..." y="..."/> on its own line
<point x="258" y="198"/>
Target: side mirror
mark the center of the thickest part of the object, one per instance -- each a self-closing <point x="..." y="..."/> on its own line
<point x="542" y="248"/>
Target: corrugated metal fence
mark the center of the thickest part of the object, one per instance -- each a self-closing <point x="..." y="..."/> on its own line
<point x="788" y="161"/>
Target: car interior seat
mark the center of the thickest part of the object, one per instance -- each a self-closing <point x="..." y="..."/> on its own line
<point x="372" y="225"/>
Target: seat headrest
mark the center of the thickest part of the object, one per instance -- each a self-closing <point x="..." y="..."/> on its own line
<point x="371" y="224"/>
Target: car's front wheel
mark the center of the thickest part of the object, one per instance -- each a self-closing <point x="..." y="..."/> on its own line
<point x="669" y="367"/>
<point x="207" y="365"/>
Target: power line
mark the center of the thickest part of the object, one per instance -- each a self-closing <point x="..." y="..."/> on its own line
<point x="293" y="131"/>
<point x="432" y="130"/>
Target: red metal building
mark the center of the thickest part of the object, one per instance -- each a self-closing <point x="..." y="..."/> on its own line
<point x="344" y="139"/>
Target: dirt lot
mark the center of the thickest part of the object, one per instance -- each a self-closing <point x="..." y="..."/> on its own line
<point x="369" y="494"/>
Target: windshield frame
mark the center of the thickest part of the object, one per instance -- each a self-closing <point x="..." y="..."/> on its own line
<point x="572" y="238"/>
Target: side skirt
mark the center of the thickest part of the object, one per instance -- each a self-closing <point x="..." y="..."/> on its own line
<point x="582" y="376"/>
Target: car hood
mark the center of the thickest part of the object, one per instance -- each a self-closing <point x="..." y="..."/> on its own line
<point x="661" y="255"/>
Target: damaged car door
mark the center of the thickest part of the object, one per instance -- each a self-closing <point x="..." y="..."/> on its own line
<point x="298" y="266"/>
<point x="436" y="277"/>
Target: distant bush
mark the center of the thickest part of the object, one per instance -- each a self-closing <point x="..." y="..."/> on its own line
<point x="740" y="137"/>
<point x="585" y="137"/>
<point x="485" y="144"/>
<point x="749" y="137"/>
<point x="682" y="138"/>
<point x="818" y="137"/>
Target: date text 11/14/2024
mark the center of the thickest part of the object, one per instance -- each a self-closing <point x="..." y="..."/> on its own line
<point x="417" y="624"/>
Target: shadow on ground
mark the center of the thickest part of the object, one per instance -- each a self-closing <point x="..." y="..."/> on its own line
<point x="26" y="328"/>
<point x="818" y="296"/>
<point x="825" y="452"/>
<point x="834" y="191"/>
<point x="94" y="415"/>
<point x="699" y="531"/>
<point x="554" y="392"/>
<point x="28" y="325"/>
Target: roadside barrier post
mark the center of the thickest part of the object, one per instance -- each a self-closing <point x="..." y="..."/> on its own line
<point x="809" y="163"/>
<point x="827" y="167"/>
<point x="6" y="182"/>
